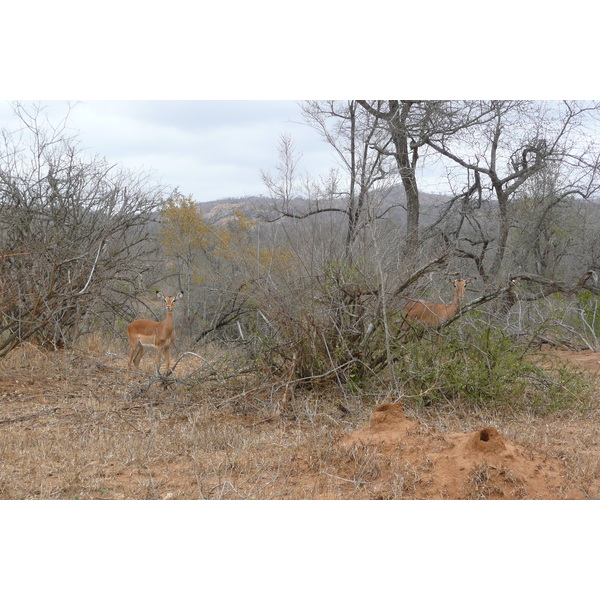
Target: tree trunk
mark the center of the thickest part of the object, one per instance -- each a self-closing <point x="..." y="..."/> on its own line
<point x="406" y="161"/>
<point x="503" y="230"/>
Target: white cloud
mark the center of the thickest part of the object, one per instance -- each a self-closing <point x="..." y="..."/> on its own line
<point x="210" y="149"/>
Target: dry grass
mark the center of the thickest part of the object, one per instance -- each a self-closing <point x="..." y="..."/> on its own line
<point x="74" y="424"/>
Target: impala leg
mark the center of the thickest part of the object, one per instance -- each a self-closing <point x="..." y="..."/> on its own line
<point x="168" y="357"/>
<point x="158" y="361"/>
<point x="132" y="346"/>
<point x="137" y="355"/>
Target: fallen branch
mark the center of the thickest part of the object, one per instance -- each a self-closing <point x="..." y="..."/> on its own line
<point x="48" y="411"/>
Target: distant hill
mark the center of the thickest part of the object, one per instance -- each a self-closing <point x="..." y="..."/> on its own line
<point x="218" y="212"/>
<point x="257" y="208"/>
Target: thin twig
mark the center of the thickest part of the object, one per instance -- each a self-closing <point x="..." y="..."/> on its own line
<point x="354" y="481"/>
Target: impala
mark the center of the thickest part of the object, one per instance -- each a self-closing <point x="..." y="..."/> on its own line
<point x="144" y="333"/>
<point x="433" y="314"/>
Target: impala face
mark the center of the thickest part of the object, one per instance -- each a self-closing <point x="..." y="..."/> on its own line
<point x="460" y="285"/>
<point x="169" y="300"/>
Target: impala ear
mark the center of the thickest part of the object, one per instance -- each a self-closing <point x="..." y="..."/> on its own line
<point x="179" y="295"/>
<point x="160" y="295"/>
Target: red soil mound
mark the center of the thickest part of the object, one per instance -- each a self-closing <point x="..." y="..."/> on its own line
<point x="479" y="464"/>
<point x="388" y="424"/>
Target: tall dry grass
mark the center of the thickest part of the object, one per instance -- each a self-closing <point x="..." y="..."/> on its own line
<point x="75" y="425"/>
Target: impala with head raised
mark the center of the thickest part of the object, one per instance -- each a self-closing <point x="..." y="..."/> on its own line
<point x="433" y="314"/>
<point x="144" y="333"/>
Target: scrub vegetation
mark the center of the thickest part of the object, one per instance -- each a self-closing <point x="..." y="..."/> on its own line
<point x="293" y="325"/>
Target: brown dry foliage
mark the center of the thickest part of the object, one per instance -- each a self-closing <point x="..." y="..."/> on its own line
<point x="74" y="424"/>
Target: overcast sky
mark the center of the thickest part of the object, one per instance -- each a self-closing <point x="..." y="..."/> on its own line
<point x="208" y="148"/>
<point x="213" y="148"/>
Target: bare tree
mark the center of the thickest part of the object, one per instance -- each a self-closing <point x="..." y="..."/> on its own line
<point x="499" y="146"/>
<point x="75" y="229"/>
<point x="357" y="192"/>
<point x="406" y="123"/>
<point x="344" y="296"/>
<point x="546" y="226"/>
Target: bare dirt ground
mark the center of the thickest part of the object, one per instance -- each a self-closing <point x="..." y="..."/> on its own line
<point x="75" y="424"/>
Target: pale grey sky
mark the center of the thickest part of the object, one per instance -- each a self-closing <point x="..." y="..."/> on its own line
<point x="208" y="148"/>
<point x="214" y="148"/>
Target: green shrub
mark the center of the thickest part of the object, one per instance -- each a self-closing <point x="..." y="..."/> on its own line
<point x="487" y="368"/>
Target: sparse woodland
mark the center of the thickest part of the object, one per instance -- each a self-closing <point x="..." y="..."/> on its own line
<point x="307" y="308"/>
<point x="305" y="286"/>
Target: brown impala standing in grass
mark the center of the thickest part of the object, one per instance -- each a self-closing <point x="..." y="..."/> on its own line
<point x="144" y="333"/>
<point x="433" y="314"/>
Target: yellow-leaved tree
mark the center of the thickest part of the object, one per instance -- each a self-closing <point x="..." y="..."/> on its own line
<point x="185" y="237"/>
<point x="217" y="265"/>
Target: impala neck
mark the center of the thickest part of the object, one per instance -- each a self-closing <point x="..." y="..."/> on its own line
<point x="169" y="318"/>
<point x="455" y="302"/>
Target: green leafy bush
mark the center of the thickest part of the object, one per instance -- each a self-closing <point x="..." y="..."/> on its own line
<point x="484" y="367"/>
